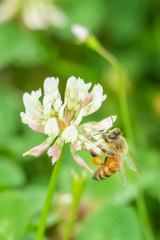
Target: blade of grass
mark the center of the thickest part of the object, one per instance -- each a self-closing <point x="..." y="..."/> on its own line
<point x="47" y="204"/>
<point x="93" y="43"/>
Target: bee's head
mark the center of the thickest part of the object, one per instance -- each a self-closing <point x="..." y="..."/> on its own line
<point x="112" y="134"/>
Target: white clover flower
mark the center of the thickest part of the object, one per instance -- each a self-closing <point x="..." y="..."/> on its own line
<point x="80" y="32"/>
<point x="35" y="14"/>
<point x="61" y="120"/>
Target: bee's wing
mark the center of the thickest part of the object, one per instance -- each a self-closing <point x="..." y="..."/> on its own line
<point x="132" y="162"/>
<point x="122" y="172"/>
<point x="123" y="175"/>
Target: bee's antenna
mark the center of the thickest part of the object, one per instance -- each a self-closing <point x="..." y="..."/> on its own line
<point x="98" y="133"/>
<point x="106" y="131"/>
<point x="112" y="122"/>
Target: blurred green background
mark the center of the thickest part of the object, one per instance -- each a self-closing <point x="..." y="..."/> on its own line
<point x="36" y="42"/>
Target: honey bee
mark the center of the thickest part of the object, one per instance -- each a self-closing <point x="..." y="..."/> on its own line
<point x="113" y="147"/>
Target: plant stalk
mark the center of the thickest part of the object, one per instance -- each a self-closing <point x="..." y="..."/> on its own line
<point x="47" y="204"/>
<point x="70" y="221"/>
<point x="122" y="99"/>
<point x="143" y="216"/>
<point x="78" y="186"/>
<point x="93" y="43"/>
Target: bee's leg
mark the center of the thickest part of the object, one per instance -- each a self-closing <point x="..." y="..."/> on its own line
<point x="104" y="150"/>
<point x="93" y="154"/>
<point x="105" y="139"/>
<point x="105" y="160"/>
<point x="96" y="160"/>
<point x="110" y="153"/>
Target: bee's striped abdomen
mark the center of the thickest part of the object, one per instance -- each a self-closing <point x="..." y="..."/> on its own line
<point x="102" y="173"/>
<point x="105" y="171"/>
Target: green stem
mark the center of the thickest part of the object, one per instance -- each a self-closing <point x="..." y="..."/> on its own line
<point x="143" y="216"/>
<point x="122" y="99"/>
<point x="70" y="221"/>
<point x="49" y="196"/>
<point x="93" y="43"/>
<point x="78" y="186"/>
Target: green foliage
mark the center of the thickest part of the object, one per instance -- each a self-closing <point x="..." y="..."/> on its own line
<point x="36" y="197"/>
<point x="32" y="235"/>
<point x="10" y="107"/>
<point x="14" y="215"/>
<point x="111" y="222"/>
<point x="14" y="53"/>
<point x="11" y="174"/>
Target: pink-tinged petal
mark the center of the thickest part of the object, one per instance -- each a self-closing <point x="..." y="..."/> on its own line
<point x="87" y="135"/>
<point x="36" y="151"/>
<point x="94" y="100"/>
<point x="79" y="160"/>
<point x="77" y="120"/>
<point x="88" y="99"/>
<point x="61" y="111"/>
<point x="77" y="145"/>
<point x="59" y="95"/>
<point x="35" y="126"/>
<point x="55" y="150"/>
